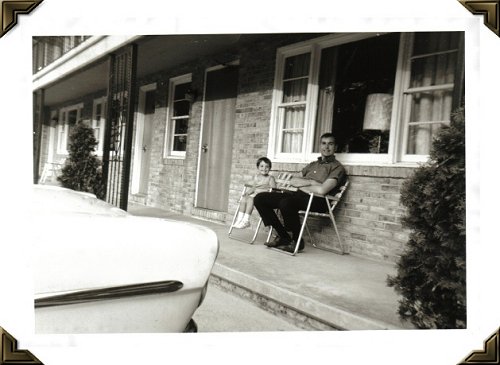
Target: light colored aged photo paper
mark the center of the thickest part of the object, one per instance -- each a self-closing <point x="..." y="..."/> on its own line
<point x="129" y="18"/>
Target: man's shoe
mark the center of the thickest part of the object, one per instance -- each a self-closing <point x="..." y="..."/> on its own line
<point x="291" y="247"/>
<point x="278" y="241"/>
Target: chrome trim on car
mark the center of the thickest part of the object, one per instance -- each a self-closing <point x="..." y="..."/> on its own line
<point x="115" y="292"/>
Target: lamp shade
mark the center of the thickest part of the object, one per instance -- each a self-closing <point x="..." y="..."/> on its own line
<point x="378" y="112"/>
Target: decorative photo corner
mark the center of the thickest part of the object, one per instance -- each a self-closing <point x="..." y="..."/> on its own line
<point x="10" y="354"/>
<point x="490" y="9"/>
<point x="490" y="355"/>
<point x="10" y="11"/>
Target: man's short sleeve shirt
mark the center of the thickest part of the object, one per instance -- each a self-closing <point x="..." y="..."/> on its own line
<point x="323" y="169"/>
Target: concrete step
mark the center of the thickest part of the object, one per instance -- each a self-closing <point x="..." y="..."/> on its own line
<point x="299" y="310"/>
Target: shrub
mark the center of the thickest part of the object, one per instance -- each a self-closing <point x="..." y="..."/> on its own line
<point x="82" y="170"/>
<point x="431" y="272"/>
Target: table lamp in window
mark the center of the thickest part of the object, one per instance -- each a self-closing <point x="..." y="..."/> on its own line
<point x="377" y="121"/>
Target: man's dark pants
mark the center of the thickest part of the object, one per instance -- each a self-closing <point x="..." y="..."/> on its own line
<point x="289" y="204"/>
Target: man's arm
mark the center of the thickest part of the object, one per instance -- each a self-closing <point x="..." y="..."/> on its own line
<point x="318" y="188"/>
<point x="299" y="182"/>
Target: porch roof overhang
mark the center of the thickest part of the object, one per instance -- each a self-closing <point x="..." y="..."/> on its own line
<point x="84" y="70"/>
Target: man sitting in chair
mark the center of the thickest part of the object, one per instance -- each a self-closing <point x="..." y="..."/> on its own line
<point x="320" y="177"/>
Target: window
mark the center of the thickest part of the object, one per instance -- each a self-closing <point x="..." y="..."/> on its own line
<point x="178" y="116"/>
<point x="383" y="96"/>
<point x="99" y="121"/>
<point x="292" y="106"/>
<point x="68" y="117"/>
<point x="429" y="89"/>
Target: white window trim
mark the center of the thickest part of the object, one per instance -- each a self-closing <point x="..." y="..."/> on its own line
<point x="53" y="126"/>
<point x="399" y="117"/>
<point x="63" y="126"/>
<point x="103" y="101"/>
<point x="169" y="124"/>
<point x="405" y="102"/>
<point x="314" y="46"/>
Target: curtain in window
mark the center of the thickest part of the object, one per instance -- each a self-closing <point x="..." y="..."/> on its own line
<point x="293" y="129"/>
<point x="293" y="105"/>
<point x="326" y="95"/>
<point x="433" y="70"/>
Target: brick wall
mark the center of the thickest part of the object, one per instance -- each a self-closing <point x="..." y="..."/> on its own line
<point x="369" y="217"/>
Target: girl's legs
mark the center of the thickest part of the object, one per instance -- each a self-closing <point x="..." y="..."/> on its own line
<point x="241" y="212"/>
<point x="246" y="208"/>
<point x="249" y="206"/>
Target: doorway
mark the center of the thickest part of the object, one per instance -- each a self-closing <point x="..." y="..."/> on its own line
<point x="217" y="138"/>
<point x="142" y="160"/>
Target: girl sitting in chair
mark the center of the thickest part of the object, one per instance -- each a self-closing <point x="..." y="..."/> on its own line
<point x="261" y="182"/>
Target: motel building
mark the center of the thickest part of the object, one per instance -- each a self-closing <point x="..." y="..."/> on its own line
<point x="180" y="120"/>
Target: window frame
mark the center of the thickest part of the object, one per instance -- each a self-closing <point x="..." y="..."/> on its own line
<point x="406" y="97"/>
<point x="63" y="126"/>
<point x="168" y="143"/>
<point x="399" y="115"/>
<point x="100" y="141"/>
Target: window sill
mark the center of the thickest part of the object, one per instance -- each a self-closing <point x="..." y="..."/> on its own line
<point x="174" y="160"/>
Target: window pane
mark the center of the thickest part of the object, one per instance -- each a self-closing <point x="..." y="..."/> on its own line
<point x="354" y="78"/>
<point x="181" y="108"/>
<point x="429" y="112"/>
<point x="436" y="66"/>
<point x="96" y="133"/>
<point x="181" y="90"/>
<point x="72" y="118"/>
<point x="179" y="143"/>
<point x="294" y="91"/>
<point x="292" y="142"/>
<point x="432" y="42"/>
<point x="433" y="70"/>
<point x="181" y="126"/>
<point x="293" y="129"/>
<point x="297" y="66"/>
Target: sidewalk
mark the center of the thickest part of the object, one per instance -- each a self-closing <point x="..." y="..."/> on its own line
<point x="315" y="289"/>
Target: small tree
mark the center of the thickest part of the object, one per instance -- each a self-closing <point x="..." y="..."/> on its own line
<point x="431" y="272"/>
<point x="82" y="170"/>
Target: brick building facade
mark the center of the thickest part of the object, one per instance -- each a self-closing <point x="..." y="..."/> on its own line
<point x="369" y="216"/>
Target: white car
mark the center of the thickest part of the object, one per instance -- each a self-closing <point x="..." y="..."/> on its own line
<point x="98" y="269"/>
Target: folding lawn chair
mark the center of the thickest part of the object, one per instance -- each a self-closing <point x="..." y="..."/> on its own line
<point x="282" y="181"/>
<point x="331" y="202"/>
<point x="51" y="170"/>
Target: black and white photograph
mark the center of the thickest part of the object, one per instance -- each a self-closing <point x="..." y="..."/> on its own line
<point x="212" y="188"/>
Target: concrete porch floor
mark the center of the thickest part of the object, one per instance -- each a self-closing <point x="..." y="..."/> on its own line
<point x="316" y="289"/>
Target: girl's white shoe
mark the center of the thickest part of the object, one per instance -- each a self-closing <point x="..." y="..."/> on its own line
<point x="242" y="224"/>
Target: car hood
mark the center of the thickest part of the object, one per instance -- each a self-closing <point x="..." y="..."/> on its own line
<point x="84" y="243"/>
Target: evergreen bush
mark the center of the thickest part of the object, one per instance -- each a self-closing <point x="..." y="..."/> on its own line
<point x="82" y="170"/>
<point x="431" y="272"/>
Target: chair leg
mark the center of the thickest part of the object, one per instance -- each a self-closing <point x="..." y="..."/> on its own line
<point x="309" y="234"/>
<point x="342" y="248"/>
<point x="234" y="219"/>
<point x="252" y="240"/>
<point x="268" y="239"/>
<point x="237" y="210"/>
<point x="297" y="244"/>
